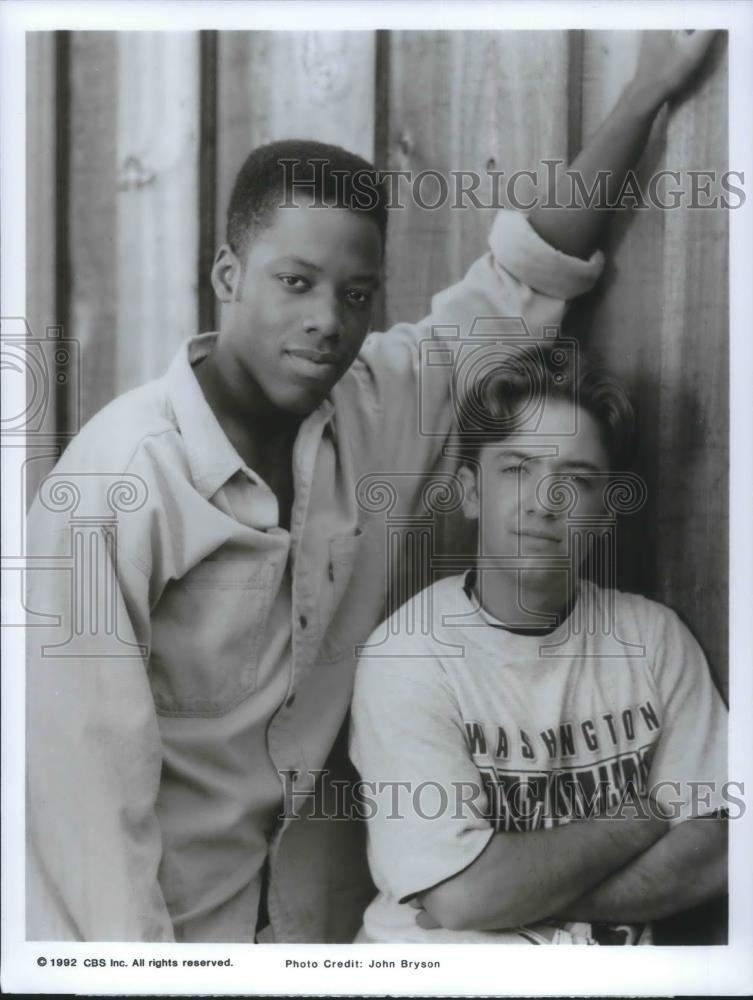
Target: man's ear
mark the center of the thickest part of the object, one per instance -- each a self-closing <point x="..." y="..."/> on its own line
<point x="471" y="503"/>
<point x="226" y="274"/>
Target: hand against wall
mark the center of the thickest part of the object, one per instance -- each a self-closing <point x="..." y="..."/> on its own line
<point x="669" y="60"/>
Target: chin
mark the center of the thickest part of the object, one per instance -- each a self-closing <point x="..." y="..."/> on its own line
<point x="298" y="404"/>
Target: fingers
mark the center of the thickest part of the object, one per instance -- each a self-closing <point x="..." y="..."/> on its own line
<point x="694" y="45"/>
<point x="426" y="921"/>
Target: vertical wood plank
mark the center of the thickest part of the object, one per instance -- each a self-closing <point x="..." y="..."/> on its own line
<point x="693" y="444"/>
<point x="620" y="321"/>
<point x="207" y="178"/>
<point x="472" y="101"/>
<point x="40" y="180"/>
<point x="278" y="85"/>
<point x="91" y="212"/>
<point x="659" y="319"/>
<point x="157" y="200"/>
<point x="41" y="218"/>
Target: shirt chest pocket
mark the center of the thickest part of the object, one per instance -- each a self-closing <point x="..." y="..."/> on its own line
<point x="208" y="637"/>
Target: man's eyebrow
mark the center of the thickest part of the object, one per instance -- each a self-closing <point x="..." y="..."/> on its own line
<point x="516" y="453"/>
<point x="582" y="465"/>
<point x="299" y="262"/>
<point x="504" y="452"/>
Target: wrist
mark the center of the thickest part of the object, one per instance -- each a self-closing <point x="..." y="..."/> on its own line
<point x="643" y="99"/>
<point x="638" y="832"/>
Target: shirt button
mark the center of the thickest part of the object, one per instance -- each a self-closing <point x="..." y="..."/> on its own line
<point x="303" y="621"/>
<point x="290" y="701"/>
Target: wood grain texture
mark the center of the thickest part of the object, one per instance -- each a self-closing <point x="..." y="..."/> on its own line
<point x="470" y="101"/>
<point x="41" y="216"/>
<point x="463" y="101"/>
<point x="157" y="200"/>
<point x="279" y="85"/>
<point x="659" y="319"/>
<point x="92" y="215"/>
<point x="620" y="320"/>
<point x="40" y="180"/>
<point x="693" y="448"/>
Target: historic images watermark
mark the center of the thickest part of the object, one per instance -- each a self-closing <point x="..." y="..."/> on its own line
<point x="549" y="186"/>
<point x="513" y="801"/>
<point x="87" y="507"/>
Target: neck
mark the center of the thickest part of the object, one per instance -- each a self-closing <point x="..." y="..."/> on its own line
<point x="525" y="598"/>
<point x="254" y="426"/>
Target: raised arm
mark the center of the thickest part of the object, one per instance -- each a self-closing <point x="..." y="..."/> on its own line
<point x="666" y="63"/>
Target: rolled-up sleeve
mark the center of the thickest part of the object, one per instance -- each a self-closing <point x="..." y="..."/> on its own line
<point x="519" y="250"/>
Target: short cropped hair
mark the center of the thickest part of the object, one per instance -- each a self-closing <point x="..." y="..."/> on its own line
<point x="503" y="399"/>
<point x="273" y="174"/>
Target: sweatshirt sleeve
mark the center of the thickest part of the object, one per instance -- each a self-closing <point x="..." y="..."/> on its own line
<point x="427" y="812"/>
<point x="689" y="769"/>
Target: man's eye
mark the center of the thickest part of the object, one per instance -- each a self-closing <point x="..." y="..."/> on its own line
<point x="512" y="469"/>
<point x="358" y="297"/>
<point x="582" y="482"/>
<point x="294" y="282"/>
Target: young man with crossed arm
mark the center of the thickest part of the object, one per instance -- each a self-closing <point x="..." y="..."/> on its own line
<point x="561" y="744"/>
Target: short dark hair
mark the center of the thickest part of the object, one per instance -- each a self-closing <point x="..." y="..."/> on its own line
<point x="271" y="174"/>
<point x="500" y="397"/>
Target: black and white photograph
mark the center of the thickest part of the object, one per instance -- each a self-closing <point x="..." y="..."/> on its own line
<point x="376" y="458"/>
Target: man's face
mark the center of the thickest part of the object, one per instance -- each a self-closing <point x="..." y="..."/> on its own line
<point x="295" y="316"/>
<point x="521" y="478"/>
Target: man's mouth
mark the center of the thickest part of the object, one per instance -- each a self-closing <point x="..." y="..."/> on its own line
<point x="312" y="364"/>
<point x="539" y="535"/>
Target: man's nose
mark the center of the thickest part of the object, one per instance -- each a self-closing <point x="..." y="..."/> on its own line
<point x="324" y="317"/>
<point x="538" y="498"/>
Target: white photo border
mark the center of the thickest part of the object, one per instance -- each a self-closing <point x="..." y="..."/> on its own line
<point x="464" y="969"/>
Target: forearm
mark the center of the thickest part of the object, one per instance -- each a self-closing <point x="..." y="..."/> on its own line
<point x="665" y="67"/>
<point x="577" y="224"/>
<point x="523" y="877"/>
<point x="683" y="869"/>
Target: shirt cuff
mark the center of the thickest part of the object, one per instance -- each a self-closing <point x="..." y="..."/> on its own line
<point x="519" y="249"/>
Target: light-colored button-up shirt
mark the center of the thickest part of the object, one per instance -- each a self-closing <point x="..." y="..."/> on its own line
<point x="190" y="662"/>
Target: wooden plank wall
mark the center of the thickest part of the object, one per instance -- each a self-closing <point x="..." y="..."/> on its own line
<point x="660" y="320"/>
<point x="152" y="128"/>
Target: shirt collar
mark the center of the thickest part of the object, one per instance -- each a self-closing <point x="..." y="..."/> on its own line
<point x="469" y="583"/>
<point x="212" y="458"/>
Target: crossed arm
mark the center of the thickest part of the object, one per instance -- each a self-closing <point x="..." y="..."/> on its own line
<point x="686" y="867"/>
<point x="633" y="869"/>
